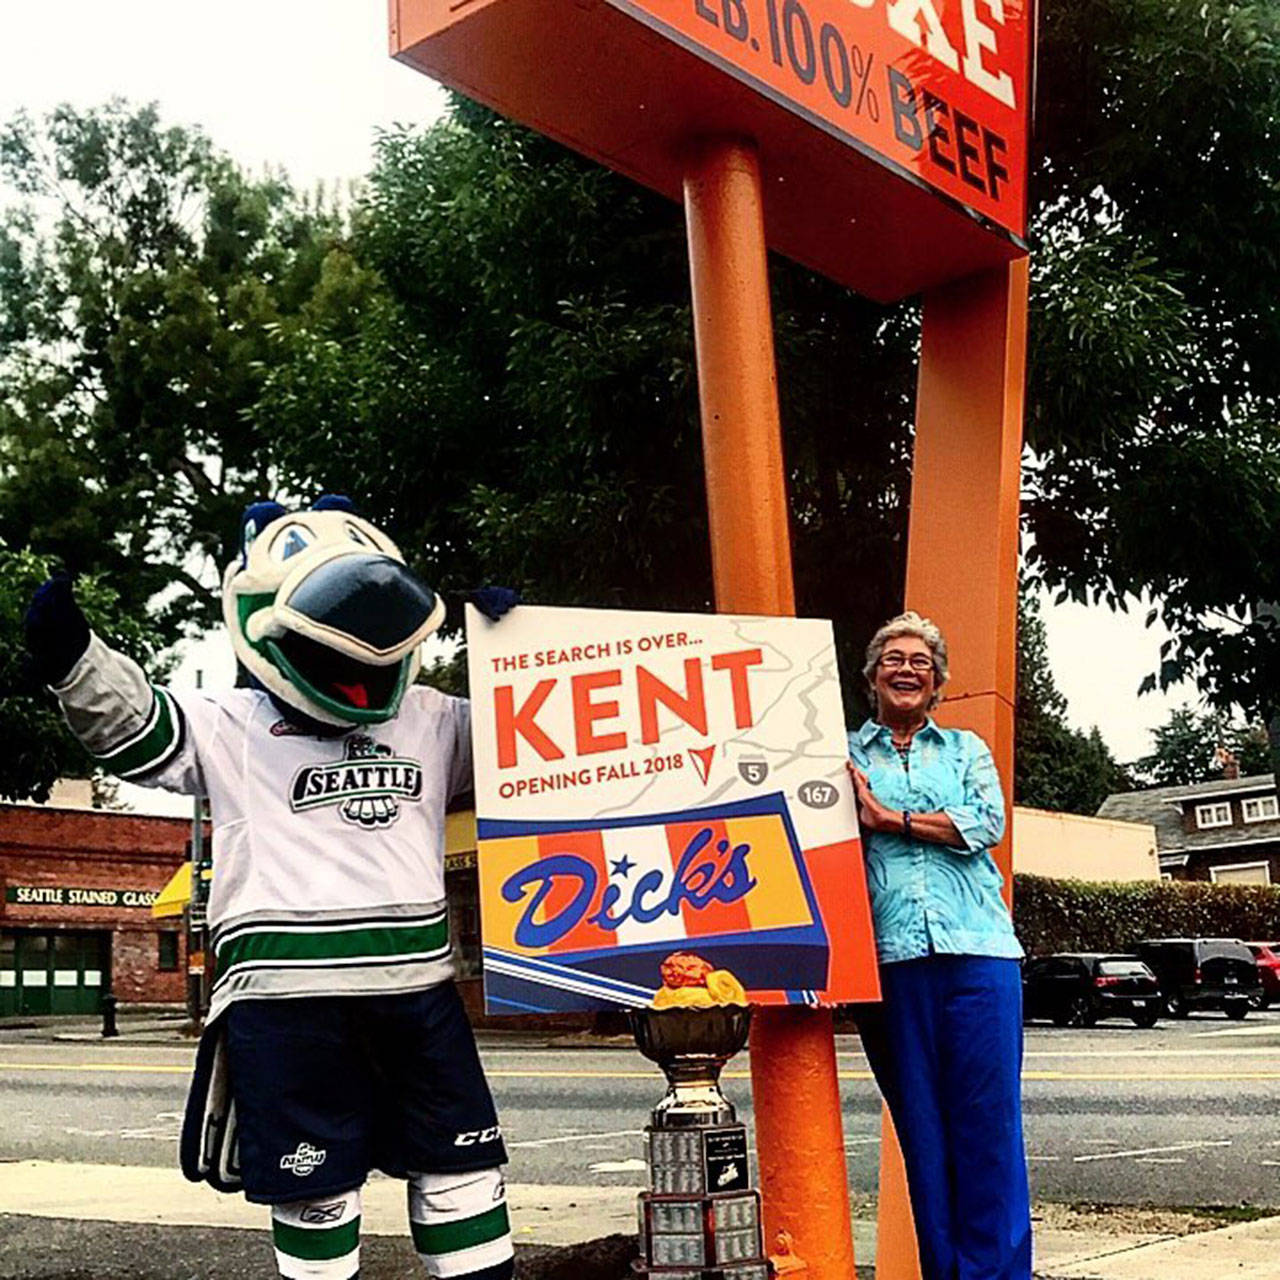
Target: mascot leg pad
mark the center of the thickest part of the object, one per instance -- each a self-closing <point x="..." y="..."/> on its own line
<point x="460" y="1225"/>
<point x="318" y="1239"/>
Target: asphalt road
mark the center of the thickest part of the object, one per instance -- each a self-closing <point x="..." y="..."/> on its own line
<point x="1187" y="1113"/>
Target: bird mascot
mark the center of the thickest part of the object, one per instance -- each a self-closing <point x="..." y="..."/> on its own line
<point x="336" y="1042"/>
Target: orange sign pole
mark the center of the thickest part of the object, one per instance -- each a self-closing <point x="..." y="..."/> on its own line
<point x="793" y="1063"/>
<point x="962" y="563"/>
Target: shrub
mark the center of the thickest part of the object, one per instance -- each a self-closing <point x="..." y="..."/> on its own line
<point x="1079" y="915"/>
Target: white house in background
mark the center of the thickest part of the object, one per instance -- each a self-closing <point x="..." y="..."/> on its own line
<point x="1227" y="830"/>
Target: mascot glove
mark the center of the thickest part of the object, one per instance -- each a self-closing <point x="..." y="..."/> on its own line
<point x="494" y="602"/>
<point x="56" y="631"/>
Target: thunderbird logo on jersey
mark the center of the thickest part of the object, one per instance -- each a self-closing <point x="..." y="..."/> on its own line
<point x="585" y="913"/>
<point x="367" y="785"/>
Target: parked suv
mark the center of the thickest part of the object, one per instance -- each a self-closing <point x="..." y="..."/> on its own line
<point x="1075" y="989"/>
<point x="1266" y="956"/>
<point x="1203" y="973"/>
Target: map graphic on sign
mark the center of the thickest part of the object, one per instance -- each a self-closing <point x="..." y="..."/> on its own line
<point x="648" y="783"/>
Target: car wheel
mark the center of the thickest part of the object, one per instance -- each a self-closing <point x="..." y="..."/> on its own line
<point x="1257" y="1000"/>
<point x="1176" y="1006"/>
<point x="1078" y="1012"/>
<point x="1236" y="1009"/>
<point x="1145" y="1018"/>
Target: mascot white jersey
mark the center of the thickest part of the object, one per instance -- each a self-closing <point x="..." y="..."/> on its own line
<point x="336" y="1042"/>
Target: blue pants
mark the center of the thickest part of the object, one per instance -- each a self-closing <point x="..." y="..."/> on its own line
<point x="946" y="1049"/>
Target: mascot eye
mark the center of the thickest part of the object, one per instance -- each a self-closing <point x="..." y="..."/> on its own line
<point x="289" y="541"/>
<point x="356" y="536"/>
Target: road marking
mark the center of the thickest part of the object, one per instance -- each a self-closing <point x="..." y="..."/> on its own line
<point x="141" y="1068"/>
<point x="1049" y="1076"/>
<point x="1043" y="1159"/>
<point x="1150" y="1151"/>
<point x="1160" y="1160"/>
<point x="619" y="1166"/>
<point x="576" y="1137"/>
<point x="1266" y="1029"/>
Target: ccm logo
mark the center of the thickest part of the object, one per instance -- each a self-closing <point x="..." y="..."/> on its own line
<point x="478" y="1136"/>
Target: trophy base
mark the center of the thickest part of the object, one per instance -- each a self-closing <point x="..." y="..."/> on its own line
<point x="710" y="1237"/>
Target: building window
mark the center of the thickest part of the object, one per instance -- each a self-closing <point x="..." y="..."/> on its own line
<point x="168" y="958"/>
<point x="1261" y="809"/>
<point x="1213" y="815"/>
<point x="1242" y="873"/>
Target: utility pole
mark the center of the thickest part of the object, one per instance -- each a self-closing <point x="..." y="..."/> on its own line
<point x="198" y="974"/>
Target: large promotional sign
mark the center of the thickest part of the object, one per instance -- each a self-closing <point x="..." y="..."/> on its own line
<point x="936" y="88"/>
<point x="653" y="785"/>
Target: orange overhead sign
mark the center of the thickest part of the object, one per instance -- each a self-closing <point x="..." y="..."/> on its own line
<point x="936" y="88"/>
<point x="892" y="133"/>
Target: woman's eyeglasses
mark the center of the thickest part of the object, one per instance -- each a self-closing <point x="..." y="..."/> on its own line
<point x="895" y="661"/>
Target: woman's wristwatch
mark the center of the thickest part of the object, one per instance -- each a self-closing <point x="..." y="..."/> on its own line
<point x="906" y="823"/>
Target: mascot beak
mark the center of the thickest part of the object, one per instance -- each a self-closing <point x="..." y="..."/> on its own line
<point x="368" y="607"/>
<point x="346" y="631"/>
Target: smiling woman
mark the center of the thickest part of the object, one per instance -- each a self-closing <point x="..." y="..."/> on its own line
<point x="946" y="1042"/>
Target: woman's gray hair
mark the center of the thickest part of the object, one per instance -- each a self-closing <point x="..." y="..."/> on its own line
<point x="908" y="624"/>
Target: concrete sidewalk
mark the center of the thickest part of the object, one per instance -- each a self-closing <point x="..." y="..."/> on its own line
<point x="553" y="1214"/>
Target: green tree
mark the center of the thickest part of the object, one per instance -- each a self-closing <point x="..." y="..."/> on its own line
<point x="141" y="274"/>
<point x="1154" y="387"/>
<point x="1191" y="746"/>
<point x="1055" y="766"/>
<point x="521" y="347"/>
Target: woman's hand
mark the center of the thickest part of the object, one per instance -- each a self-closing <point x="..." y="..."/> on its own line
<point x="872" y="815"/>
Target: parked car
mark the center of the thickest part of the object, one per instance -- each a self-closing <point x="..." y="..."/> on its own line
<point x="1266" y="955"/>
<point x="1202" y="973"/>
<point x="1076" y="989"/>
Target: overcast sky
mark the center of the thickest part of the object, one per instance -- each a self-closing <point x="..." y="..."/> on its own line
<point x="304" y="86"/>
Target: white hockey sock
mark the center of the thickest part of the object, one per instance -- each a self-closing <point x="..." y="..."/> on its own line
<point x="318" y="1239"/>
<point x="460" y="1224"/>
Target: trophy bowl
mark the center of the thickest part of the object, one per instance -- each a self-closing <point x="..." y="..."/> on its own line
<point x="691" y="1046"/>
<point x="667" y="1035"/>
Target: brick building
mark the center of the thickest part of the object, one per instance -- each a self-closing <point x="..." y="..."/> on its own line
<point x="76" y="888"/>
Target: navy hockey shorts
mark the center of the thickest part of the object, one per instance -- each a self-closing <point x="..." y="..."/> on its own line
<point x="329" y="1087"/>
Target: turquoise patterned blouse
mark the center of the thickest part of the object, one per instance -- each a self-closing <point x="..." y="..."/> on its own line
<point x="928" y="897"/>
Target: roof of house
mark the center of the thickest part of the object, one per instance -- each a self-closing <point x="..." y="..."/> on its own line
<point x="1162" y="807"/>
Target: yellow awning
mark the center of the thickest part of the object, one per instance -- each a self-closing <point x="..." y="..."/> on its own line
<point x="175" y="895"/>
<point x="460" y="832"/>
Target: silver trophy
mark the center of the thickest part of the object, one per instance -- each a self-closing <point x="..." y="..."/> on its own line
<point x="701" y="1219"/>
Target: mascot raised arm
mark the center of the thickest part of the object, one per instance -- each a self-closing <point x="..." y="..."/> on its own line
<point x="336" y="1042"/>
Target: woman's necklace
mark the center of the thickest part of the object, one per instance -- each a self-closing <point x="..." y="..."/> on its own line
<point x="902" y="745"/>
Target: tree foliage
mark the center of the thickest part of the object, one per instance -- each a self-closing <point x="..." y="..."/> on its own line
<point x="1192" y="747"/>
<point x="1154" y="389"/>
<point x="1056" y="767"/>
<point x="518" y="340"/>
<point x="1079" y="915"/>
<point x="141" y="274"/>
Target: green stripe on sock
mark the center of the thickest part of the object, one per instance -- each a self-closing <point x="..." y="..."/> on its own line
<point x="379" y="943"/>
<point x="316" y="1244"/>
<point x="448" y="1237"/>
<point x="151" y="747"/>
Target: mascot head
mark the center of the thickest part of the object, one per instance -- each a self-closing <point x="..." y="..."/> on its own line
<point x="324" y="614"/>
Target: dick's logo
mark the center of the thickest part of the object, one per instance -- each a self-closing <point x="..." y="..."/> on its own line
<point x="367" y="785"/>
